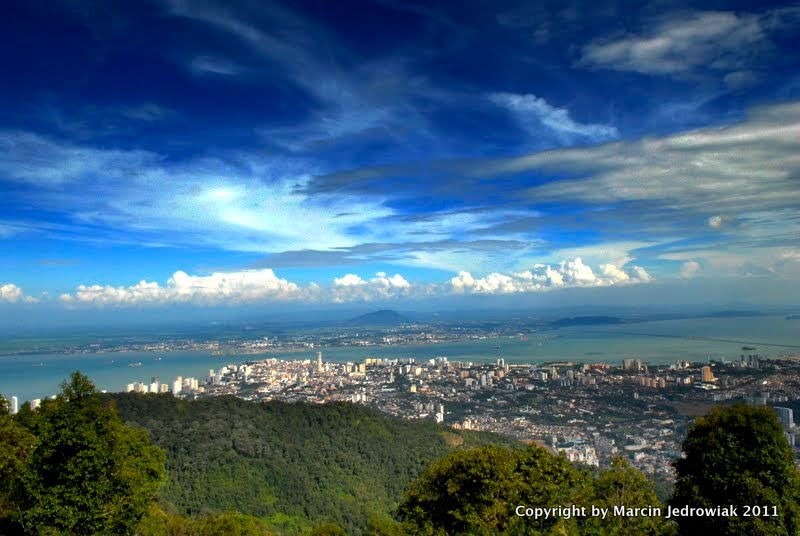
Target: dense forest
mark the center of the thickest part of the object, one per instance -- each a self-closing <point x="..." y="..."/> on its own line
<point x="294" y="465"/>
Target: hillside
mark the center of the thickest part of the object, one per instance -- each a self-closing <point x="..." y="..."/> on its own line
<point x="288" y="463"/>
<point x="384" y="317"/>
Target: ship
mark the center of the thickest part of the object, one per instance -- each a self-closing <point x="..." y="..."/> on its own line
<point x="137" y="364"/>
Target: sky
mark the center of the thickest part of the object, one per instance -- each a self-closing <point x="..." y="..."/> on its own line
<point x="278" y="155"/>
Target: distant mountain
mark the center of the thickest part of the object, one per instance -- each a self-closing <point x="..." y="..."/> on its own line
<point x="735" y="314"/>
<point x="585" y="321"/>
<point x="384" y="317"/>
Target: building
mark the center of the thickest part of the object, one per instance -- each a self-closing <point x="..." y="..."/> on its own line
<point x="14" y="405"/>
<point x="706" y="375"/>
<point x="319" y="366"/>
<point x="785" y="417"/>
<point x="35" y="403"/>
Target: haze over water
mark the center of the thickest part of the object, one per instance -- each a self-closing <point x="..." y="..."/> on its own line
<point x="662" y="342"/>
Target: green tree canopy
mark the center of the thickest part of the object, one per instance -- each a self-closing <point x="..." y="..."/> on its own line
<point x="88" y="474"/>
<point x="738" y="456"/>
<point x="624" y="486"/>
<point x="477" y="492"/>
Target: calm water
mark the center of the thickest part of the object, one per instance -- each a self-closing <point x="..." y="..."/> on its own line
<point x="38" y="376"/>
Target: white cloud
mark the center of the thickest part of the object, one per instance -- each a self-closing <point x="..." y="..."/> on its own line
<point x="567" y="274"/>
<point x="209" y="65"/>
<point x="718" y="40"/>
<point x="742" y="168"/>
<point x="217" y="288"/>
<point x="532" y="111"/>
<point x="717" y="222"/>
<point x="689" y="269"/>
<point x="381" y="287"/>
<point x="34" y="159"/>
<point x="233" y="288"/>
<point x="13" y="294"/>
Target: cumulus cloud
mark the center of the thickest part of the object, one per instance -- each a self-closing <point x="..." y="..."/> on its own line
<point x="13" y="294"/>
<point x="567" y="274"/>
<point x="532" y="112"/>
<point x="217" y="288"/>
<point x="234" y="288"/>
<point x="381" y="287"/>
<point x="264" y="286"/>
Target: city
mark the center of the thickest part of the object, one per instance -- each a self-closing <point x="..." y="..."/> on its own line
<point x="591" y="412"/>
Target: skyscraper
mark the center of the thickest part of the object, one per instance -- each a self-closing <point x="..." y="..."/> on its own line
<point x="319" y="366"/>
<point x="706" y="375"/>
<point x="786" y="417"/>
<point x="14" y="405"/>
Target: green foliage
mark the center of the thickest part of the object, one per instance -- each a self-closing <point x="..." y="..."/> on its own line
<point x="477" y="491"/>
<point x="228" y="524"/>
<point x="738" y="456"/>
<point x="157" y="522"/>
<point x="384" y="527"/>
<point x="293" y="465"/>
<point x="624" y="486"/>
<point x="329" y="529"/>
<point x="76" y="469"/>
<point x="16" y="446"/>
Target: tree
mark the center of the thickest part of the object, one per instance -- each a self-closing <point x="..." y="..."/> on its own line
<point x="384" y="527"/>
<point x="624" y="486"/>
<point x="477" y="492"/>
<point x="328" y="529"/>
<point x="88" y="474"/>
<point x="738" y="456"/>
<point x="16" y="446"/>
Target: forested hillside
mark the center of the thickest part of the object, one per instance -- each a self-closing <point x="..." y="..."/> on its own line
<point x="296" y="465"/>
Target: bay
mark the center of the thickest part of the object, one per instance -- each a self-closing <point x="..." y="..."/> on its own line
<point x="661" y="342"/>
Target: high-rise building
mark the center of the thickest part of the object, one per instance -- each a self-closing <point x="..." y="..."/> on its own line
<point x="35" y="403"/>
<point x="14" y="405"/>
<point x="786" y="417"/>
<point x="706" y="375"/>
<point x="319" y="366"/>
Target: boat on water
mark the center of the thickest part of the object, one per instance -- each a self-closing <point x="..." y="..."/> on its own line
<point x="138" y="364"/>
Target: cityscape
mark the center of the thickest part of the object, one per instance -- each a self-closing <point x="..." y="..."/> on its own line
<point x="316" y="268"/>
<point x="591" y="412"/>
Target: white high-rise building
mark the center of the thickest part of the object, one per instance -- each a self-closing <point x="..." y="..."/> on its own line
<point x="786" y="417"/>
<point x="35" y="403"/>
<point x="14" y="405"/>
<point x="177" y="385"/>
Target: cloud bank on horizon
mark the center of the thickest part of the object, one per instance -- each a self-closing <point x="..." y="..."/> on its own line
<point x="189" y="152"/>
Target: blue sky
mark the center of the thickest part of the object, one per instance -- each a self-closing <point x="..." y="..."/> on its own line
<point x="272" y="154"/>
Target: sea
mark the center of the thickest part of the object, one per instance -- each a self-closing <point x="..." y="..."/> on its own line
<point x="33" y="376"/>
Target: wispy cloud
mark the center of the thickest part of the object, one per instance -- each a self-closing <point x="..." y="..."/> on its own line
<point x="680" y="43"/>
<point x="534" y="112"/>
<point x="39" y="160"/>
<point x="211" y="65"/>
